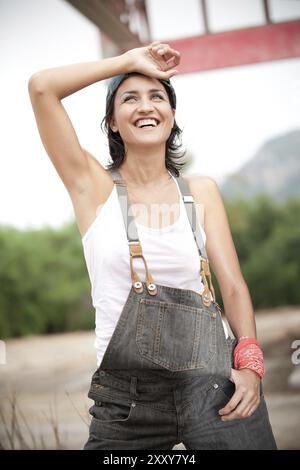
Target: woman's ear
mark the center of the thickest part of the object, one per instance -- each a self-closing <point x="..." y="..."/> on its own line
<point x="113" y="126"/>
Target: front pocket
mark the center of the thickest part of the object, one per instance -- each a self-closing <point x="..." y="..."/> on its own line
<point x="108" y="412"/>
<point x="175" y="336"/>
<point x="227" y="388"/>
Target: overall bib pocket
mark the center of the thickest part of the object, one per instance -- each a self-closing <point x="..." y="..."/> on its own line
<point x="176" y="336"/>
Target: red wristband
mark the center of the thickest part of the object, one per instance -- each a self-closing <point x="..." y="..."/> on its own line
<point x="248" y="355"/>
<point x="242" y="342"/>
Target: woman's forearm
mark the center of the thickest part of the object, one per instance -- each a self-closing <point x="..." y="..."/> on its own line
<point x="66" y="80"/>
<point x="239" y="312"/>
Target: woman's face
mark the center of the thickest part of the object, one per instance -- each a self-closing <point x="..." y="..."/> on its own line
<point x="138" y="98"/>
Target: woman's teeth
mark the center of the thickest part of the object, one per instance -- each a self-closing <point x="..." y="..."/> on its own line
<point x="146" y="122"/>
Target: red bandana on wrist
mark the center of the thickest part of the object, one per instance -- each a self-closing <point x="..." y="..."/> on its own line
<point x="248" y="355"/>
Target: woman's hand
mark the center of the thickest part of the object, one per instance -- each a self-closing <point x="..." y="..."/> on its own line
<point x="157" y="60"/>
<point x="246" y="397"/>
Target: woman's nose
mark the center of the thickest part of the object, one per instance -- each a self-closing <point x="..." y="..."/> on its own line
<point x="145" y="104"/>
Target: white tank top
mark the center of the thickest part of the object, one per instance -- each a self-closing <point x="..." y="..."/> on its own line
<point x="171" y="254"/>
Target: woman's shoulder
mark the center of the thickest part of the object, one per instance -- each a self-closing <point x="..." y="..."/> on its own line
<point x="201" y="184"/>
<point x="206" y="193"/>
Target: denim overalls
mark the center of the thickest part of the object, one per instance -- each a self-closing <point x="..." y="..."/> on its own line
<point x="165" y="372"/>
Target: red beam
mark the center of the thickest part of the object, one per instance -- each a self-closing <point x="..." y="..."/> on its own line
<point x="234" y="48"/>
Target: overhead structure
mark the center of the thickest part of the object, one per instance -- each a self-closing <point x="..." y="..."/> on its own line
<point x="123" y="24"/>
<point x="116" y="21"/>
<point x="240" y="47"/>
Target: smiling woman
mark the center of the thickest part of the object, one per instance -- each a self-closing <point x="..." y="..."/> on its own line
<point x="163" y="95"/>
<point x="164" y="356"/>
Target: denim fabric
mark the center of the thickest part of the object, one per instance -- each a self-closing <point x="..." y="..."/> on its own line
<point x="173" y="333"/>
<point x="164" y="376"/>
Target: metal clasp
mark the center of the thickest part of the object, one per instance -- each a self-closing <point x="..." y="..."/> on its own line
<point x="152" y="289"/>
<point x="188" y="198"/>
<point x="120" y="182"/>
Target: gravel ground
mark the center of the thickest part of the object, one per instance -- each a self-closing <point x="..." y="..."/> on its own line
<point x="50" y="377"/>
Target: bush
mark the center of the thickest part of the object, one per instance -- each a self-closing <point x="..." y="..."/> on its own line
<point x="44" y="282"/>
<point x="266" y="236"/>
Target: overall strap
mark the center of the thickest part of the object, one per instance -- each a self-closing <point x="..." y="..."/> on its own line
<point x="192" y="215"/>
<point x="135" y="248"/>
<point x="208" y="292"/>
<point x="131" y="230"/>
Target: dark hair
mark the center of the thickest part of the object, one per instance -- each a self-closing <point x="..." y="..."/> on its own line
<point x="174" y="154"/>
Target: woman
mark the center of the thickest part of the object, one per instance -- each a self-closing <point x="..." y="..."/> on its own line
<point x="167" y="370"/>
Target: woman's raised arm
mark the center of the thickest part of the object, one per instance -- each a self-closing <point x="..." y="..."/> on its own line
<point x="48" y="87"/>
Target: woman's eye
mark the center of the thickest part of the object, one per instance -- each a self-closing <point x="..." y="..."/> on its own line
<point x="129" y="98"/>
<point x="157" y="95"/>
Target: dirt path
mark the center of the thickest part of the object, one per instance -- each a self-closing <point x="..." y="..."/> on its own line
<point x="51" y="374"/>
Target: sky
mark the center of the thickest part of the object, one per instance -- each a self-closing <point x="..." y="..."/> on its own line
<point x="226" y="115"/>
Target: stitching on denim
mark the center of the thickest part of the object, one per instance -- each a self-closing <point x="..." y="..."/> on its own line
<point x="171" y="365"/>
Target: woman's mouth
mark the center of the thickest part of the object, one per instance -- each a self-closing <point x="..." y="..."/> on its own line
<point x="147" y="124"/>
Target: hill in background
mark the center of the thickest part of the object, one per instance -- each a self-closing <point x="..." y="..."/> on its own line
<point x="273" y="171"/>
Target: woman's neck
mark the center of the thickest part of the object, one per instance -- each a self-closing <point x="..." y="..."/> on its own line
<point x="144" y="172"/>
